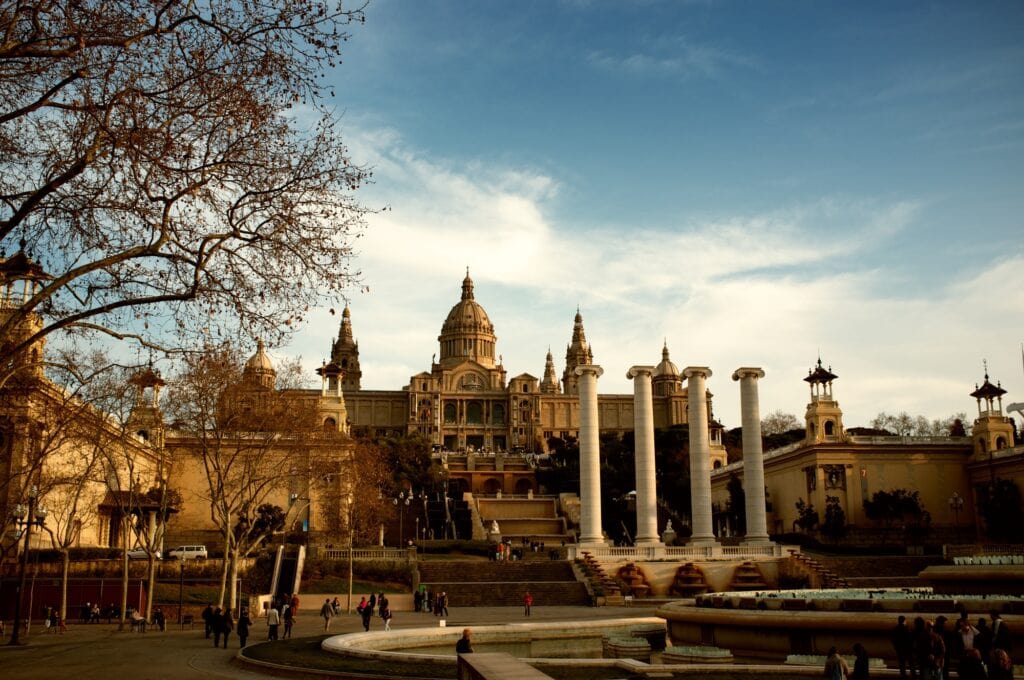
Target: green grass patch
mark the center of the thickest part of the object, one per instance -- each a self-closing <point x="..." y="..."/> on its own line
<point x="167" y="593"/>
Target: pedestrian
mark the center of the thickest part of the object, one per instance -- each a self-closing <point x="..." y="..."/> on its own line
<point x="983" y="640"/>
<point x="289" y="621"/>
<point x="367" y="614"/>
<point x="227" y="624"/>
<point x="971" y="667"/>
<point x="243" y="627"/>
<point x="1000" y="633"/>
<point x="443" y="603"/>
<point x="860" y="662"/>
<point x="386" y="615"/>
<point x="382" y="603"/>
<point x="527" y="603"/>
<point x="336" y="606"/>
<point x="1001" y="667"/>
<point x="215" y="624"/>
<point x="903" y="645"/>
<point x="207" y="619"/>
<point x="430" y="601"/>
<point x="326" y="612"/>
<point x="836" y="667"/>
<point x="465" y="643"/>
<point x="931" y="654"/>
<point x="159" y="619"/>
<point x="417" y="601"/>
<point x="295" y="604"/>
<point x="373" y="600"/>
<point x="273" y="621"/>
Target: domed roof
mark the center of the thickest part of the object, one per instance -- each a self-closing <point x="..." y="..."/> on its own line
<point x="467" y="316"/>
<point x="666" y="369"/>
<point x="259" y="361"/>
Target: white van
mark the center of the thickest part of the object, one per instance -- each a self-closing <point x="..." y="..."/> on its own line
<point x="187" y="552"/>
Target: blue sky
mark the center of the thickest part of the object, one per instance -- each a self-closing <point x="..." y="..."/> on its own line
<point x="753" y="182"/>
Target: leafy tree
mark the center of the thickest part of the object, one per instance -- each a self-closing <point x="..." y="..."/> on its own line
<point x="1000" y="504"/>
<point x="807" y="517"/>
<point x="737" y="502"/>
<point x="153" y="162"/>
<point x="835" y="519"/>
<point x="898" y="506"/>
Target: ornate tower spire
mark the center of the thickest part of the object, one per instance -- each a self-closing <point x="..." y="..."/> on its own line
<point x="577" y="353"/>
<point x="824" y="418"/>
<point x="345" y="353"/>
<point x="549" y="385"/>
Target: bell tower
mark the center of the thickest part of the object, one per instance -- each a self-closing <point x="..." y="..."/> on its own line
<point x="992" y="431"/>
<point x="824" y="418"/>
<point x="345" y="353"/>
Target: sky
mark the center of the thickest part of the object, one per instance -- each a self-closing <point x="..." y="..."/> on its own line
<point x="754" y="183"/>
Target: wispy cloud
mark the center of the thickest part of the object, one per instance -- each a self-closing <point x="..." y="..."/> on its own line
<point x="676" y="57"/>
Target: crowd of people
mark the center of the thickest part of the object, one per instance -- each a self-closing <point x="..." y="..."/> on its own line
<point x="430" y="602"/>
<point x="933" y="650"/>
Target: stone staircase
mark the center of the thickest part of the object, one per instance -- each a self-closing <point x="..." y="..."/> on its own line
<point x="878" y="571"/>
<point x="534" y="520"/>
<point x="820" y="575"/>
<point x="471" y="583"/>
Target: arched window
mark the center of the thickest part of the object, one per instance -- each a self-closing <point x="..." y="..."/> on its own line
<point x="830" y="428"/>
<point x="526" y="387"/>
<point x="449" y="413"/>
<point x="1000" y="443"/>
<point x="474" y="413"/>
<point x="498" y="414"/>
<point x="982" y="445"/>
<point x="718" y="464"/>
<point x="330" y="425"/>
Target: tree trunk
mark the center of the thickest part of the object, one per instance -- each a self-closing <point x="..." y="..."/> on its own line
<point x="124" y="578"/>
<point x="150" y="587"/>
<point x="65" y="568"/>
<point x="224" y="570"/>
<point x="234" y="577"/>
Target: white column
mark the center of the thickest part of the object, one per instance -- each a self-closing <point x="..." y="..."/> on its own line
<point x="643" y="436"/>
<point x="753" y="454"/>
<point x="700" y="454"/>
<point x="590" y="457"/>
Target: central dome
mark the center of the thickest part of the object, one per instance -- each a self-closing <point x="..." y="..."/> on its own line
<point x="467" y="333"/>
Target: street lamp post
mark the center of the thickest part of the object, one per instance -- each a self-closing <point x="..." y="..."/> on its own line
<point x="32" y="516"/>
<point x="956" y="504"/>
<point x="402" y="503"/>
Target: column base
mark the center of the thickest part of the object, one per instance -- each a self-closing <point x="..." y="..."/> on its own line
<point x="757" y="540"/>
<point x="648" y="543"/>
<point x="593" y="543"/>
<point x="703" y="540"/>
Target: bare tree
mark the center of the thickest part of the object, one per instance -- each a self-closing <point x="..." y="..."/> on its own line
<point x="779" y="422"/>
<point x="173" y="167"/>
<point x="252" y="442"/>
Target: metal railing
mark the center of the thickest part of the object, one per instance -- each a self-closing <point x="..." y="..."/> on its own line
<point x="371" y="554"/>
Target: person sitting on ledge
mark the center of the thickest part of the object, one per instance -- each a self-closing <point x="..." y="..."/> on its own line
<point x="465" y="643"/>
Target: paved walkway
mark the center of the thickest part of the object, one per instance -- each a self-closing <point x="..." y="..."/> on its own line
<point x="100" y="652"/>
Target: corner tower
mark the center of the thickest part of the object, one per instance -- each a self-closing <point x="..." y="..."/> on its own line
<point x="824" y="418"/>
<point x="467" y="333"/>
<point x="549" y="385"/>
<point x="992" y="431"/>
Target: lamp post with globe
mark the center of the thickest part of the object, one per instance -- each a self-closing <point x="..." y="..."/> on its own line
<point x="33" y="515"/>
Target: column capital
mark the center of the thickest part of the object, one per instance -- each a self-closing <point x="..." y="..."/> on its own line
<point x="590" y="368"/>
<point x="636" y="371"/>
<point x="702" y="371"/>
<point x="747" y="372"/>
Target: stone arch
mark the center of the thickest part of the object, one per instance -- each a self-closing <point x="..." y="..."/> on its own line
<point x="449" y="412"/>
<point x="330" y="424"/>
<point x="830" y="428"/>
<point x="1000" y="443"/>
<point x="475" y="413"/>
<point x="492" y="485"/>
<point x="523" y="486"/>
<point x="498" y="414"/>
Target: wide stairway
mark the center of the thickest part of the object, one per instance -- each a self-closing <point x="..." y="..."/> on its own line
<point x="473" y="583"/>
<point x="533" y="519"/>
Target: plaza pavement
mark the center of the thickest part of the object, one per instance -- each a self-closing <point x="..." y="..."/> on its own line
<point x="100" y="652"/>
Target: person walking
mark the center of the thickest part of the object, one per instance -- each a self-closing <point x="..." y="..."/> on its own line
<point x="215" y="624"/>
<point x="326" y="612"/>
<point x="903" y="645"/>
<point x="289" y="621"/>
<point x="207" y="616"/>
<point x="527" y="603"/>
<point x="386" y="615"/>
<point x="442" y="604"/>
<point x="860" y="662"/>
<point x="367" y="613"/>
<point x="243" y="627"/>
<point x="227" y="624"/>
<point x="836" y="667"/>
<point x="273" y="621"/>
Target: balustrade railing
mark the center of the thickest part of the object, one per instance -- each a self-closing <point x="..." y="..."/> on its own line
<point x="371" y="554"/>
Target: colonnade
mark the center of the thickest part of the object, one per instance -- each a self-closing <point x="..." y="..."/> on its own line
<point x="700" y="456"/>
